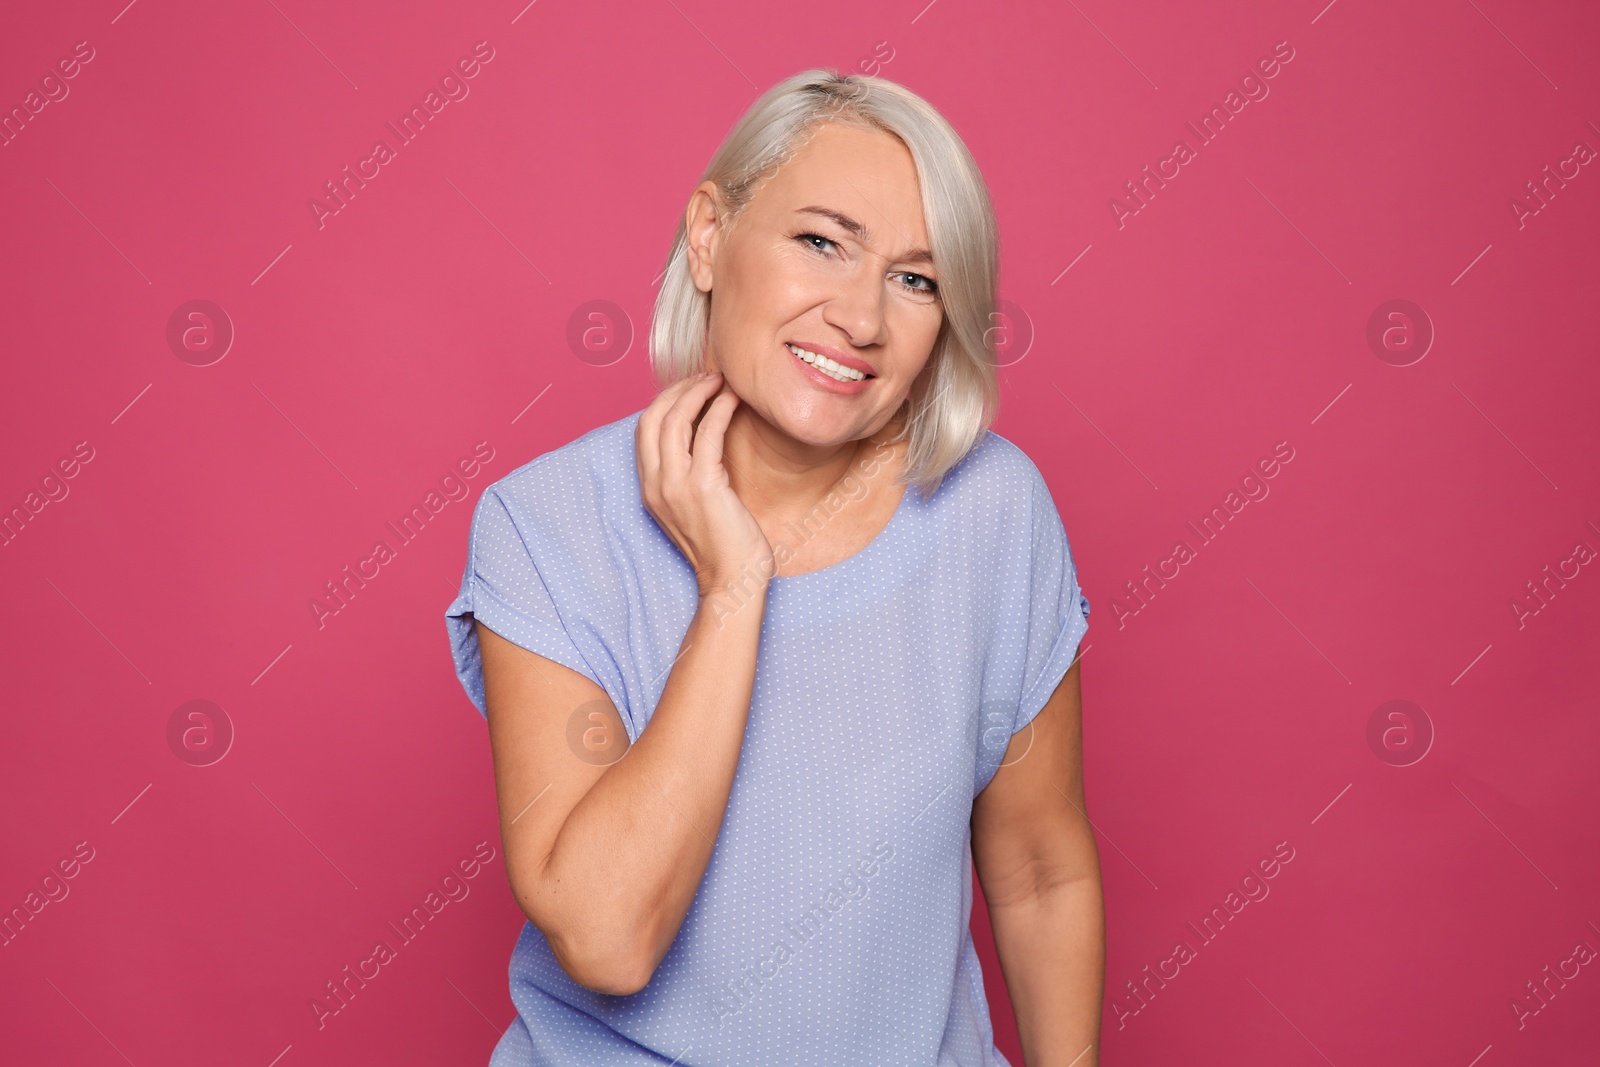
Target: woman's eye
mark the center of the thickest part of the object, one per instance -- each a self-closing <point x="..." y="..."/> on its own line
<point x="921" y="284"/>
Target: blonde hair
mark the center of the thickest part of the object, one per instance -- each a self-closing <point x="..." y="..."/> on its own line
<point x="956" y="397"/>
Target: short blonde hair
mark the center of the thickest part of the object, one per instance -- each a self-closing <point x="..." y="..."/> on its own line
<point x="956" y="397"/>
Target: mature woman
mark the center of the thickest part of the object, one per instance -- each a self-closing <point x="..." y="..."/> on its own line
<point x="757" y="707"/>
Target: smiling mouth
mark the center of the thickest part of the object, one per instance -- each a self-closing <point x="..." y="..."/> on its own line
<point x="827" y="366"/>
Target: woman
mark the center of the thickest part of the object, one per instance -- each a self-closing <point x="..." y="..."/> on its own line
<point x="756" y="707"/>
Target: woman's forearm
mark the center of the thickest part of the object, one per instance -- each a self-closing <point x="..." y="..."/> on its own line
<point x="1052" y="951"/>
<point x="631" y="854"/>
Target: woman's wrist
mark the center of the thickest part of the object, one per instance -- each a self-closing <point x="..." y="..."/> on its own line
<point x="735" y="581"/>
<point x="725" y="595"/>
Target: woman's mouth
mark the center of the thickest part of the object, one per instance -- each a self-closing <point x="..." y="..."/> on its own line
<point x="824" y="365"/>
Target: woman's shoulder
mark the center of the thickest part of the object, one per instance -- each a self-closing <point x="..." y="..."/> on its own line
<point x="993" y="473"/>
<point x="583" y="467"/>
<point x="573" y="495"/>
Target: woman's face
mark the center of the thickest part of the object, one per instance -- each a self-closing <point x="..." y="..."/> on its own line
<point x="829" y="256"/>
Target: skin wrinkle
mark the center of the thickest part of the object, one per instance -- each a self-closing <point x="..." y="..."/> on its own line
<point x="790" y="443"/>
<point x="632" y="840"/>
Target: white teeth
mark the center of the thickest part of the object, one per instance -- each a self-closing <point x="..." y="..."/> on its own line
<point x="827" y="366"/>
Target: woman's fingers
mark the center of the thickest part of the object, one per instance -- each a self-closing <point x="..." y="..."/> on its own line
<point x="706" y="462"/>
<point x="677" y="429"/>
<point x="685" y="485"/>
<point x="647" y="434"/>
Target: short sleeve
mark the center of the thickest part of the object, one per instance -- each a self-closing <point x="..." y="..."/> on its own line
<point x="502" y="586"/>
<point x="1058" y="610"/>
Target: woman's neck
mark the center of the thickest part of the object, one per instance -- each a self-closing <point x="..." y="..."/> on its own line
<point x="775" y="475"/>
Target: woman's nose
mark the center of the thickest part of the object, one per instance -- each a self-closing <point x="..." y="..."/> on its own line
<point x="857" y="307"/>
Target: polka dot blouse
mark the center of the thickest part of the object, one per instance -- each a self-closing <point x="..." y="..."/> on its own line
<point x="831" y="926"/>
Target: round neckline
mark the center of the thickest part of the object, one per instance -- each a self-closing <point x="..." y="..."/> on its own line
<point x="793" y="581"/>
<point x="867" y="549"/>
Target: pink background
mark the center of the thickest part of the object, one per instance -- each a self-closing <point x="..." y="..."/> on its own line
<point x="1151" y="364"/>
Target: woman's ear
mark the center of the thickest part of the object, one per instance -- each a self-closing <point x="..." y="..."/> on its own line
<point x="702" y="227"/>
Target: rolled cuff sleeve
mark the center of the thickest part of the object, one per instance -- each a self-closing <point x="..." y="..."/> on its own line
<point x="1058" y="611"/>
<point x="503" y="589"/>
<point x="1060" y="660"/>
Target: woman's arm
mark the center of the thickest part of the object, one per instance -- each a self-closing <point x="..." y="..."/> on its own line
<point x="606" y="859"/>
<point x="1036" y="858"/>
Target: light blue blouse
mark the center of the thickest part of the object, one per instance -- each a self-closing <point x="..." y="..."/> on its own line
<point x="831" y="926"/>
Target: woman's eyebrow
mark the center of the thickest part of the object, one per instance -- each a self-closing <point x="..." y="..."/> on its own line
<point x="861" y="233"/>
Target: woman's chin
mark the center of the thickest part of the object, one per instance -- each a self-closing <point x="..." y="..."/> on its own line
<point x="816" y="425"/>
